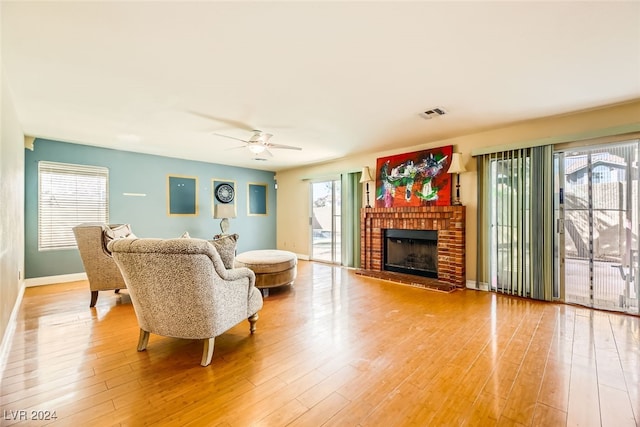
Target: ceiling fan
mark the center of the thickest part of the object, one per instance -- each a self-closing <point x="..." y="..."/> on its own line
<point x="258" y="143"/>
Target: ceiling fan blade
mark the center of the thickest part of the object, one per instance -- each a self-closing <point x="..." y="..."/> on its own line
<point x="287" y="147"/>
<point x="234" y="123"/>
<point x="268" y="153"/>
<point x="235" y="148"/>
<point x="230" y="137"/>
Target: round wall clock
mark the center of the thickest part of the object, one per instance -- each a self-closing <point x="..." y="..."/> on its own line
<point x="224" y="193"/>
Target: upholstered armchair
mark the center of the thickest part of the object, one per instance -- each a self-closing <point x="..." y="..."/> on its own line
<point x="180" y="288"/>
<point x="101" y="269"/>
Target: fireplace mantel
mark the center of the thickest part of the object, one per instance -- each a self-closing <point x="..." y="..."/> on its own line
<point x="449" y="221"/>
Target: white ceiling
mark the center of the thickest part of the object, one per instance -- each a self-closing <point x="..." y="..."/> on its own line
<point x="334" y="78"/>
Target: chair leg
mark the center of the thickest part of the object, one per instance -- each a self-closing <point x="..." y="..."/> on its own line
<point x="252" y="322"/>
<point x="143" y="340"/>
<point x="94" y="298"/>
<point x="207" y="352"/>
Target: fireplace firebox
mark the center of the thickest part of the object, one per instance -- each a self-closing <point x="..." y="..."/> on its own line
<point x="411" y="252"/>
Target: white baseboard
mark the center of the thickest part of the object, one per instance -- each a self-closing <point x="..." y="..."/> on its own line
<point x="50" y="280"/>
<point x="11" y="328"/>
<point x="303" y="257"/>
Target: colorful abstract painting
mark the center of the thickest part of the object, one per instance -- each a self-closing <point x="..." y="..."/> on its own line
<point x="419" y="178"/>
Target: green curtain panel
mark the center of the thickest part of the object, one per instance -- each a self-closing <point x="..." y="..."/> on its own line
<point x="351" y="204"/>
<point x="483" y="222"/>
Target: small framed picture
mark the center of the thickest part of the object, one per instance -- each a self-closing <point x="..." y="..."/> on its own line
<point x="182" y="195"/>
<point x="257" y="199"/>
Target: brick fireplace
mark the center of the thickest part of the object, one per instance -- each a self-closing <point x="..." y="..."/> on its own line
<point x="448" y="221"/>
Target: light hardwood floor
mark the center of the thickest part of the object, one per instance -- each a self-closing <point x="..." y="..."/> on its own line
<point x="337" y="349"/>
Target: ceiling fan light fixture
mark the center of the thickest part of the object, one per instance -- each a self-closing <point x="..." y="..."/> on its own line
<point x="256" y="148"/>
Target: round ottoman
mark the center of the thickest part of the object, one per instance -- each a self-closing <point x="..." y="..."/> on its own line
<point x="272" y="267"/>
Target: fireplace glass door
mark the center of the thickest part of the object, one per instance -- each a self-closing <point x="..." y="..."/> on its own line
<point x="411" y="252"/>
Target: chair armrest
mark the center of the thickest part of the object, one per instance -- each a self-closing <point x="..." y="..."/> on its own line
<point x="238" y="273"/>
<point x="231" y="273"/>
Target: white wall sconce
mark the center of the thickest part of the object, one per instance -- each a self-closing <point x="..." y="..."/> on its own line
<point x="457" y="167"/>
<point x="365" y="178"/>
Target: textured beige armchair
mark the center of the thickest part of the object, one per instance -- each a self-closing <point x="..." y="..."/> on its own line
<point x="180" y="288"/>
<point x="101" y="269"/>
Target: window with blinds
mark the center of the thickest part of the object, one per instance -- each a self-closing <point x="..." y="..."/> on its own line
<point x="67" y="196"/>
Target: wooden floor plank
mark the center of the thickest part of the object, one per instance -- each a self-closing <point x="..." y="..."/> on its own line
<point x="615" y="407"/>
<point x="322" y="412"/>
<point x="584" y="402"/>
<point x="338" y="349"/>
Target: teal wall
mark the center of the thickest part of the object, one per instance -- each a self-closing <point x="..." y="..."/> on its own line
<point x="142" y="173"/>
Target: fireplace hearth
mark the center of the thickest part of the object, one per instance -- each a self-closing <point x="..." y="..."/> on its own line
<point x="411" y="252"/>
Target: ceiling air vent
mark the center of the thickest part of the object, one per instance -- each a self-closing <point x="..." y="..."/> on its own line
<point x="434" y="112"/>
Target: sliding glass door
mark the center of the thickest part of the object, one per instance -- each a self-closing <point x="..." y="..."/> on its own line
<point x="326" y="221"/>
<point x="597" y="226"/>
<point x="509" y="223"/>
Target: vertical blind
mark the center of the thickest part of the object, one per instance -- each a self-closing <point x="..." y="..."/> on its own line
<point x="68" y="195"/>
<point x="515" y="222"/>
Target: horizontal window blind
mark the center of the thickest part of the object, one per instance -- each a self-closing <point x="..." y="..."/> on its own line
<point x="69" y="195"/>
